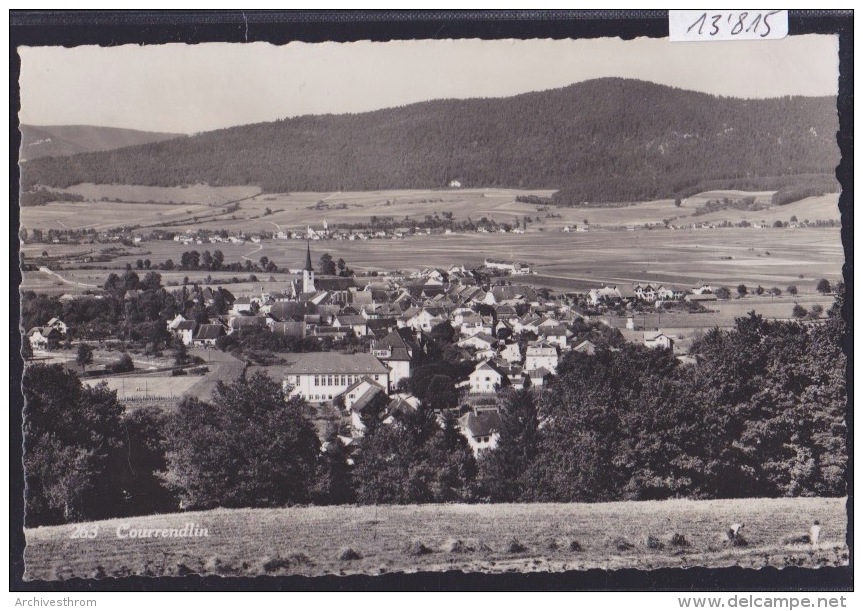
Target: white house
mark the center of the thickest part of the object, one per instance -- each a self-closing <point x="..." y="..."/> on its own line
<point x="646" y="292"/>
<point x="605" y="293"/>
<point x="207" y="335"/>
<point x="480" y="341"/>
<point x="481" y="429"/>
<point x="242" y="305"/>
<point x="425" y="319"/>
<point x="486" y="378"/>
<point x="658" y="340"/>
<point x="355" y="322"/>
<point x="541" y="355"/>
<point x="557" y="335"/>
<point x="56" y="323"/>
<point x="538" y="377"/>
<point x="396" y="353"/>
<point x="512" y="353"/>
<point x="184" y="330"/>
<point x="41" y="337"/>
<point x="322" y="376"/>
<point x="358" y="390"/>
<point x="667" y="293"/>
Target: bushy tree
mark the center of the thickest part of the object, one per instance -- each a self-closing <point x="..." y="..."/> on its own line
<point x="326" y="265"/>
<point x="503" y="470"/>
<point x="333" y="483"/>
<point x="414" y="460"/>
<point x="73" y="439"/>
<point x="823" y="286"/>
<point x="84" y="356"/>
<point x="139" y="473"/>
<point x="249" y="447"/>
<point x="441" y="393"/>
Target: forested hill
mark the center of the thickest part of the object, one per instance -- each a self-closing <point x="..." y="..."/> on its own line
<point x="60" y="140"/>
<point x="601" y="140"/>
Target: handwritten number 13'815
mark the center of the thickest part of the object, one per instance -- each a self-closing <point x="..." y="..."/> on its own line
<point x="720" y="20"/>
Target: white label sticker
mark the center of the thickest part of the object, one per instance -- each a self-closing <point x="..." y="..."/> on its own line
<point x="727" y="25"/>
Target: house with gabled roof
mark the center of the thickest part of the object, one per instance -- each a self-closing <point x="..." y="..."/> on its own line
<point x="184" y="330"/>
<point x="249" y="323"/>
<point x="658" y="339"/>
<point x="56" y="323"/>
<point x="646" y="292"/>
<point x="605" y="293"/>
<point x="206" y="335"/>
<point x="43" y="337"/>
<point x="487" y="378"/>
<point x="481" y="429"/>
<point x="396" y="350"/>
<point x="556" y="335"/>
<point x="586" y="347"/>
<point x="355" y="394"/>
<point x="479" y="341"/>
<point x="541" y="355"/>
<point x="538" y="377"/>
<point x="354" y="322"/>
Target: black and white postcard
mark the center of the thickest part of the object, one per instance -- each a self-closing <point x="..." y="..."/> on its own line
<point x="484" y="306"/>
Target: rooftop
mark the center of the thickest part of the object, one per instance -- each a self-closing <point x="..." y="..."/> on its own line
<point x="329" y="362"/>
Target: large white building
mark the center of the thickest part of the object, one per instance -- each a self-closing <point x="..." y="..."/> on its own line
<point x="323" y="376"/>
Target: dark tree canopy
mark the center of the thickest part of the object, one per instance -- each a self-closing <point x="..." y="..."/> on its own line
<point x="248" y="448"/>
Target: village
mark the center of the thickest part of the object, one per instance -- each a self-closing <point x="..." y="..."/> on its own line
<point x="362" y="339"/>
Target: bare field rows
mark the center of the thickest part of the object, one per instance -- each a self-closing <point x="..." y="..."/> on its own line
<point x="489" y="538"/>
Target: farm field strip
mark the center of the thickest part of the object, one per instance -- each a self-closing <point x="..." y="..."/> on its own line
<point x="582" y="261"/>
<point x="295" y="210"/>
<point x="241" y="541"/>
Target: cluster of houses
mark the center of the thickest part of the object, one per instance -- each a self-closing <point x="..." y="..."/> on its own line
<point x="49" y="335"/>
<point x="650" y="293"/>
<point x="396" y="315"/>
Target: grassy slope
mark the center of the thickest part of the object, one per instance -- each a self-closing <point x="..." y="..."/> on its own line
<point x="241" y="541"/>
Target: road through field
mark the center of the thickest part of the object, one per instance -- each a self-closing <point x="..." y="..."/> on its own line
<point x="45" y="270"/>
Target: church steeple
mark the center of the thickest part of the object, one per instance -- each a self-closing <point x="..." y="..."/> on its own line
<point x="308" y="267"/>
<point x="308" y="272"/>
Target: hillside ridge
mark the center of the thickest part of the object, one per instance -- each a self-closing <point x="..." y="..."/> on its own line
<point x="63" y="140"/>
<point x="594" y="141"/>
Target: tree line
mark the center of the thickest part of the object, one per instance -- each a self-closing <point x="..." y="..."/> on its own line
<point x="602" y="140"/>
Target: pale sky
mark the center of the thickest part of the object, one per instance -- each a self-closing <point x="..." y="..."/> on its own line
<point x="192" y="88"/>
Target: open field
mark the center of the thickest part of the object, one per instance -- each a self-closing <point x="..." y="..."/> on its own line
<point x="190" y="194"/>
<point x="576" y="261"/>
<point x="310" y="540"/>
<point x="142" y="387"/>
<point x="149" y="207"/>
<point x="149" y="381"/>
